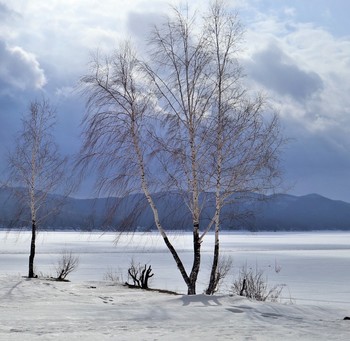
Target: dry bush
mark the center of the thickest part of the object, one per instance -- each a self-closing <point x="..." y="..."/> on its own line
<point x="253" y="284"/>
<point x="139" y="274"/>
<point x="113" y="276"/>
<point x="66" y="264"/>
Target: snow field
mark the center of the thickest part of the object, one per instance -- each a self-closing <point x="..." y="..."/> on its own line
<point x="314" y="267"/>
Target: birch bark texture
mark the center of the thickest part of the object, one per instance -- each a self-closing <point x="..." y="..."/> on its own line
<point x="179" y="119"/>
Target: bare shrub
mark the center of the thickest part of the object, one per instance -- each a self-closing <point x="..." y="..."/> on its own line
<point x="278" y="267"/>
<point x="139" y="274"/>
<point x="66" y="264"/>
<point x="253" y="284"/>
<point x="113" y="276"/>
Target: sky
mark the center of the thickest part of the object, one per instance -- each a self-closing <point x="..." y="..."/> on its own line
<point x="295" y="51"/>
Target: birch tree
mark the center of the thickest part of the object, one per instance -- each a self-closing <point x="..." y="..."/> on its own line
<point x="245" y="140"/>
<point x="120" y="112"/>
<point x="219" y="138"/>
<point x="182" y="110"/>
<point x="36" y="169"/>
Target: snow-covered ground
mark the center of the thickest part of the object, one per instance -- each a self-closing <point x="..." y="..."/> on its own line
<point x="313" y="266"/>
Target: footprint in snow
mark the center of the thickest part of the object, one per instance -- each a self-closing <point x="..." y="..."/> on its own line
<point x="106" y="299"/>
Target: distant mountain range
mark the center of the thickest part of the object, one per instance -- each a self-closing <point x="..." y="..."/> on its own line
<point x="278" y="212"/>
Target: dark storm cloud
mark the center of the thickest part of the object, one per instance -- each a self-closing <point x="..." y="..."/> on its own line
<point x="275" y="70"/>
<point x="318" y="163"/>
<point x="20" y="69"/>
<point x="11" y="109"/>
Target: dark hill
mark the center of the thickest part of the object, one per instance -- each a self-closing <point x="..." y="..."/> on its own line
<point x="279" y="212"/>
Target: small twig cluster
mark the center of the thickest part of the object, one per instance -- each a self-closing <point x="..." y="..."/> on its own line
<point x="223" y="268"/>
<point x="140" y="275"/>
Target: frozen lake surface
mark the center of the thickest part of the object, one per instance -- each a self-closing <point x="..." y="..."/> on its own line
<point x="314" y="266"/>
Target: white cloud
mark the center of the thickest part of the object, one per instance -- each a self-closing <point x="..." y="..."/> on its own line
<point x="306" y="62"/>
<point x="290" y="11"/>
<point x="20" y="68"/>
<point x="65" y="91"/>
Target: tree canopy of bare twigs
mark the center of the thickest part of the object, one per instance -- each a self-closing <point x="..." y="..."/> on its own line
<point x="36" y="169"/>
<point x="180" y="119"/>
